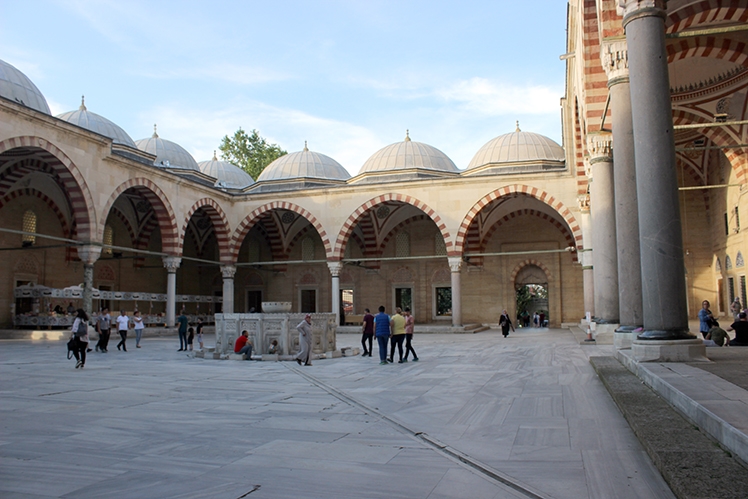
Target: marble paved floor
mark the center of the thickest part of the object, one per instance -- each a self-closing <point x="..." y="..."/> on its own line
<point x="153" y="423"/>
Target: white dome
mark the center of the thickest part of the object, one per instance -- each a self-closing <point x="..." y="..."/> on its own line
<point x="16" y="86"/>
<point x="517" y="147"/>
<point x="407" y="155"/>
<point x="167" y="153"/>
<point x="226" y="174"/>
<point x="97" y="123"/>
<point x="304" y="164"/>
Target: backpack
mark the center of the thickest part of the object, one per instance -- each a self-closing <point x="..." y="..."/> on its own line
<point x="82" y="329"/>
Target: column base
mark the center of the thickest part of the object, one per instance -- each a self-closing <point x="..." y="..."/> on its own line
<point x="624" y="336"/>
<point x="603" y="333"/>
<point x="665" y="334"/>
<point x="690" y="350"/>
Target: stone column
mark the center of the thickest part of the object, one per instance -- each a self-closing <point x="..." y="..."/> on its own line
<point x="88" y="255"/>
<point x="171" y="263"/>
<point x="664" y="302"/>
<point x="228" y="272"/>
<point x="455" y="266"/>
<point x="585" y="255"/>
<point x="615" y="62"/>
<point x="603" y="218"/>
<point x="335" y="268"/>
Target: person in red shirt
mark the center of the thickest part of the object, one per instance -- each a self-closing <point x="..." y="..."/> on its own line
<point x="243" y="345"/>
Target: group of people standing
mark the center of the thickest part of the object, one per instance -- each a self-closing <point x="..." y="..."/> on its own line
<point x="389" y="330"/>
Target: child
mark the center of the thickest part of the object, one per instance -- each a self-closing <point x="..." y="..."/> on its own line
<point x="191" y="333"/>
<point x="200" y="332"/>
<point x="274" y="349"/>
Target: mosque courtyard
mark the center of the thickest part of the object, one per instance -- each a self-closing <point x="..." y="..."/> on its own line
<point x="479" y="416"/>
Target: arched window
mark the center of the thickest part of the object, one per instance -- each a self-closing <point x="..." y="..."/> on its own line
<point x="440" y="248"/>
<point x="307" y="249"/>
<point x="29" y="225"/>
<point x="402" y="244"/>
<point x="108" y="239"/>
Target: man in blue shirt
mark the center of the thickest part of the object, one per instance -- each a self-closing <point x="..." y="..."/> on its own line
<point x="382" y="332"/>
<point x="182" y="322"/>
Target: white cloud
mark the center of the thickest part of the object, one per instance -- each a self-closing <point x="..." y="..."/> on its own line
<point x="486" y="97"/>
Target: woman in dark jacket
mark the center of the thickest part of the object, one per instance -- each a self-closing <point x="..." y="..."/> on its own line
<point x="80" y="335"/>
<point x="505" y="322"/>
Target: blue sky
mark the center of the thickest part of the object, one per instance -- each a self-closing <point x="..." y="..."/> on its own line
<point x="348" y="76"/>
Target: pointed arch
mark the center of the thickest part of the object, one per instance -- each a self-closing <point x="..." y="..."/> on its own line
<point x="220" y="225"/>
<point x="525" y="263"/>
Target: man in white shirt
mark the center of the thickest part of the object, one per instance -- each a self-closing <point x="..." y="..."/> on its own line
<point x="123" y="324"/>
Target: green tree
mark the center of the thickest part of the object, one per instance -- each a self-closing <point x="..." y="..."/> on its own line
<point x="250" y="152"/>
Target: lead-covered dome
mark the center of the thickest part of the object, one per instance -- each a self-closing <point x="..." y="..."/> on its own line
<point x="516" y="148"/>
<point x="16" y="86"/>
<point x="407" y="155"/>
<point x="168" y="154"/>
<point x="227" y="175"/>
<point x="98" y="124"/>
<point x="304" y="164"/>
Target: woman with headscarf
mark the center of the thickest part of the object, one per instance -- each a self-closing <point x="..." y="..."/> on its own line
<point x="305" y="341"/>
<point x="80" y="336"/>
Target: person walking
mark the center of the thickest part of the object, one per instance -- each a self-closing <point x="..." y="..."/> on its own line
<point x="382" y="332"/>
<point x="305" y="341"/>
<point x="183" y="323"/>
<point x="123" y="324"/>
<point x="139" y="327"/>
<point x="506" y="323"/>
<point x="80" y="335"/>
<point x="397" y="336"/>
<point x="410" y="324"/>
<point x="199" y="332"/>
<point x="103" y="327"/>
<point x="367" y="329"/>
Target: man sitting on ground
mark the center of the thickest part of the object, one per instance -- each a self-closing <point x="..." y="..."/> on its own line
<point x="741" y="331"/>
<point x="718" y="336"/>
<point x="243" y="345"/>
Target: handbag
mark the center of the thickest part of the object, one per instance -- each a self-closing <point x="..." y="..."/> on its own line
<point x="71" y="347"/>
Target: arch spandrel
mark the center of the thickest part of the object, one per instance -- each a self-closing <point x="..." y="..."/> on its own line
<point x="250" y="220"/>
<point x="220" y="226"/>
<point x="511" y="190"/>
<point x="79" y="196"/>
<point x="167" y="221"/>
<point x="349" y="225"/>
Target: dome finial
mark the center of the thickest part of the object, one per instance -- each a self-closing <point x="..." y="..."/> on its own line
<point x="517" y="130"/>
<point x="83" y="103"/>
<point x="306" y="149"/>
<point x="214" y="155"/>
<point x="155" y="135"/>
<point x="407" y="135"/>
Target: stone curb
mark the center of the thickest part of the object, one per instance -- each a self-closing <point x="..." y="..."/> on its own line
<point x="692" y="464"/>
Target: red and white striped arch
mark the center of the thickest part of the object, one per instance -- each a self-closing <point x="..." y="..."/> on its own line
<point x="250" y="220"/>
<point x="525" y="263"/>
<point x="350" y="224"/>
<point x="167" y="222"/>
<point x="220" y="226"/>
<point x="27" y="191"/>
<point x="709" y="46"/>
<point x="512" y="190"/>
<point x="706" y="12"/>
<point x="73" y="182"/>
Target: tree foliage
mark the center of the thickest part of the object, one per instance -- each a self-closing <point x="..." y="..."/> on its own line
<point x="250" y="152"/>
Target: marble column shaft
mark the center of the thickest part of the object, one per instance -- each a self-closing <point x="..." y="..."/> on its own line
<point x="171" y="263"/>
<point x="455" y="266"/>
<point x="88" y="255"/>
<point x="615" y="62"/>
<point x="335" y="268"/>
<point x="602" y="210"/>
<point x="228" y="272"/>
<point x="585" y="256"/>
<point x="664" y="302"/>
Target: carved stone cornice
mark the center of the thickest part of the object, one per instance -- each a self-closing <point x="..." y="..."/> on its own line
<point x="89" y="254"/>
<point x="455" y="263"/>
<point x="335" y="268"/>
<point x="600" y="147"/>
<point x="615" y="59"/>
<point x="634" y="9"/>
<point x="172" y="263"/>
<point x="228" y="271"/>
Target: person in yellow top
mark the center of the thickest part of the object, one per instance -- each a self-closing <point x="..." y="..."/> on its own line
<point x="397" y="335"/>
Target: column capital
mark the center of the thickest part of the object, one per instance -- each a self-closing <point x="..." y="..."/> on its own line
<point x="172" y="263"/>
<point x="228" y="271"/>
<point x="600" y="147"/>
<point x="615" y="59"/>
<point x="335" y="268"/>
<point x="634" y="9"/>
<point x="89" y="253"/>
<point x="584" y="203"/>
<point x="455" y="263"/>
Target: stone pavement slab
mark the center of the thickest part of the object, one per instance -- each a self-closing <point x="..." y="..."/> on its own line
<point x="526" y="410"/>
